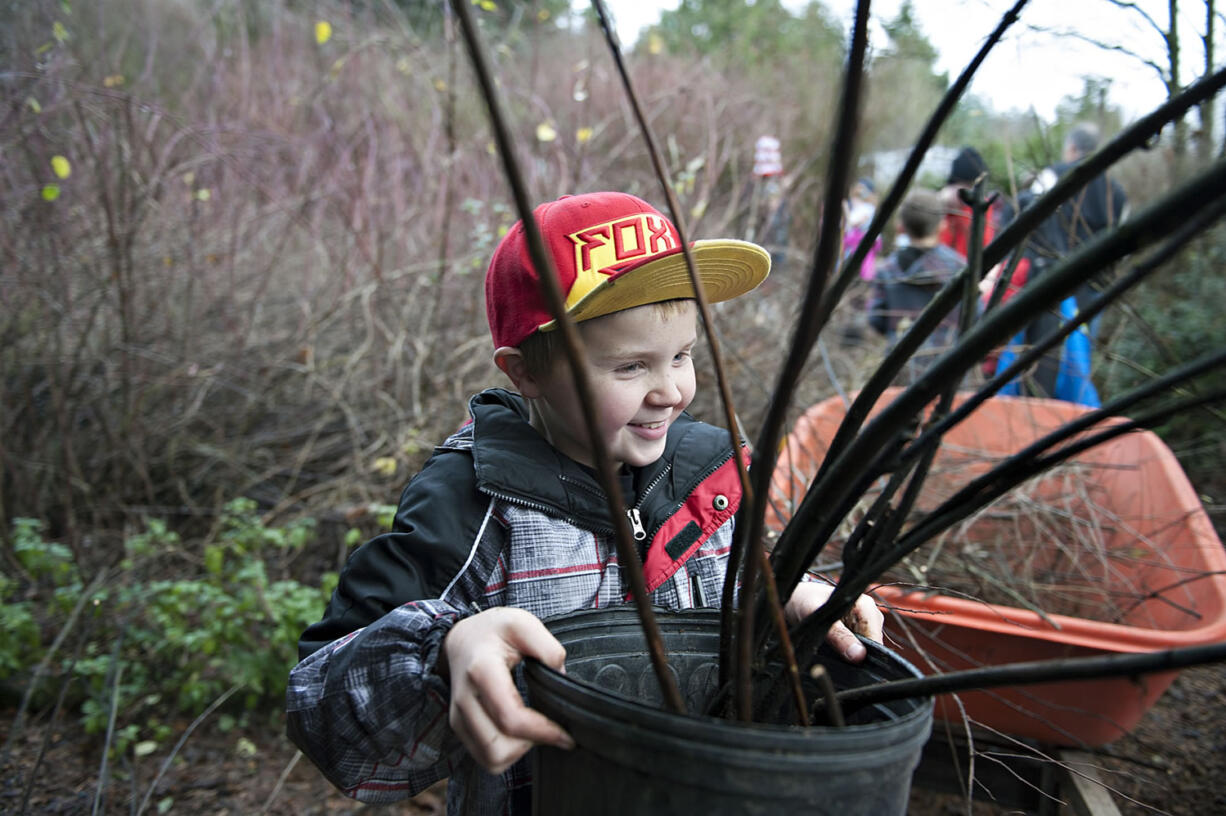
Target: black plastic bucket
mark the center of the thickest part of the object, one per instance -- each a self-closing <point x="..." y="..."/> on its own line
<point x="632" y="757"/>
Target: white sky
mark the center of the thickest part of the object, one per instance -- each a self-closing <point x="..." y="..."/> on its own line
<point x="1027" y="69"/>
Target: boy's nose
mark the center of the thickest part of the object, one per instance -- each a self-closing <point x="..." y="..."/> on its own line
<point x="664" y="390"/>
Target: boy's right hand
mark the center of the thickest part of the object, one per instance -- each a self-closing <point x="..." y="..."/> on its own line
<point x="487" y="712"/>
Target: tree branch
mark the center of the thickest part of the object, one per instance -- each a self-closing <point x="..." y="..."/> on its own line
<point x="1162" y="72"/>
<point x="1145" y="15"/>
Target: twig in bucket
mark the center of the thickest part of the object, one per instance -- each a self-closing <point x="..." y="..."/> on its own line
<point x="814" y="316"/>
<point x="834" y="712"/>
<point x="759" y="554"/>
<point x="626" y="552"/>
<point x="738" y="644"/>
<point x="1038" y="671"/>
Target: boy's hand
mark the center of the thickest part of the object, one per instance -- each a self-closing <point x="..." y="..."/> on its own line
<point x="487" y="712"/>
<point x="864" y="619"/>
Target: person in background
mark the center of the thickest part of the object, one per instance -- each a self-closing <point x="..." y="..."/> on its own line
<point x="967" y="167"/>
<point x="1099" y="205"/>
<point x="1065" y="371"/>
<point x="912" y="275"/>
<point x="413" y="674"/>
<point x="861" y="206"/>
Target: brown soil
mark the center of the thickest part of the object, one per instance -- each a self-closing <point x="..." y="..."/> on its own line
<point x="1174" y="763"/>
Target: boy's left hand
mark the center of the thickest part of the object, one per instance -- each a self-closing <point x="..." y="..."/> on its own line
<point x="863" y="619"/>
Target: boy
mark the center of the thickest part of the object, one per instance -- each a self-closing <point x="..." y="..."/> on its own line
<point x="912" y="275"/>
<point x="409" y="678"/>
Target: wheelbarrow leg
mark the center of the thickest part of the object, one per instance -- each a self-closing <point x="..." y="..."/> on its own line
<point x="1081" y="786"/>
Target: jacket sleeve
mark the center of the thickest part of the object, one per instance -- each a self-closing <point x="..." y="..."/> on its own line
<point x="365" y="703"/>
<point x="370" y="710"/>
<point x="436" y="526"/>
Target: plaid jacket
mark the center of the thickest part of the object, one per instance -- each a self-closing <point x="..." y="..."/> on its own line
<point x="495" y="517"/>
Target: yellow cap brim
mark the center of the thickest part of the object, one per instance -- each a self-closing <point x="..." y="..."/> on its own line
<point x="727" y="269"/>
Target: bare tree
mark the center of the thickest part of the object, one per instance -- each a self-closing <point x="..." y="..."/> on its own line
<point x="1169" y="69"/>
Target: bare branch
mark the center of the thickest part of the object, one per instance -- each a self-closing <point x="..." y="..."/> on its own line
<point x="187" y="732"/>
<point x="1131" y="6"/>
<point x="1163" y="73"/>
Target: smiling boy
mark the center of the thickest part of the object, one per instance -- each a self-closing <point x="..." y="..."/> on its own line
<point x="642" y="378"/>
<point x="411" y="675"/>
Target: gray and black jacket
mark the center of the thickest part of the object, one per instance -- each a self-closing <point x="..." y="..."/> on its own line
<point x="903" y="285"/>
<point x="496" y="517"/>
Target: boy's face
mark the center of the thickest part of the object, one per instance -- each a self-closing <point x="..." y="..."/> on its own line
<point x="642" y="376"/>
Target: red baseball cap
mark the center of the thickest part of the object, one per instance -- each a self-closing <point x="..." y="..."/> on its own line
<point x="612" y="251"/>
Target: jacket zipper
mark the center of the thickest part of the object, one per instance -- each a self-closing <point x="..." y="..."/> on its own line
<point x="636" y="524"/>
<point x="636" y="519"/>
<point x="531" y="505"/>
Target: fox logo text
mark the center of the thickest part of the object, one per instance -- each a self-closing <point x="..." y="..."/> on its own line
<point x="602" y="249"/>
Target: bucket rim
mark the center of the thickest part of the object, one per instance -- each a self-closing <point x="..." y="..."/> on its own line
<point x="585" y="697"/>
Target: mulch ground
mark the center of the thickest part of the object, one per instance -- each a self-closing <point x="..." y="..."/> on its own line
<point x="1174" y="762"/>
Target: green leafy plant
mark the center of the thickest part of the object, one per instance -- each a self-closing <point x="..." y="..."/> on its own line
<point x="170" y="632"/>
<point x="19" y="642"/>
<point x="44" y="560"/>
<point x="1165" y="322"/>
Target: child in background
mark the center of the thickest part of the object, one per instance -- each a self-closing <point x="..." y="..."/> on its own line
<point x="412" y="674"/>
<point x="861" y="207"/>
<point x="967" y="167"/>
<point x="912" y="275"/>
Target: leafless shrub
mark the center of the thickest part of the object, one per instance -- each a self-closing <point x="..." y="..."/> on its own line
<point x="263" y="275"/>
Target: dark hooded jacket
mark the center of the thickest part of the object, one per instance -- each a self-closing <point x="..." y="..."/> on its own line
<point x="905" y="283"/>
<point x="1099" y="205"/>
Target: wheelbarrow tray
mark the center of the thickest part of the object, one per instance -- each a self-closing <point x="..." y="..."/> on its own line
<point x="1160" y="559"/>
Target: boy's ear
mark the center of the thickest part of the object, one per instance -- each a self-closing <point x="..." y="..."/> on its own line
<point x="511" y="362"/>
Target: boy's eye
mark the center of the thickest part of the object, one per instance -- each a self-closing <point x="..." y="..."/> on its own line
<point x="681" y="356"/>
<point x="629" y="368"/>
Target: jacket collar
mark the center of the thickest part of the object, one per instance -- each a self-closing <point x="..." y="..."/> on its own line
<point x="512" y="461"/>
